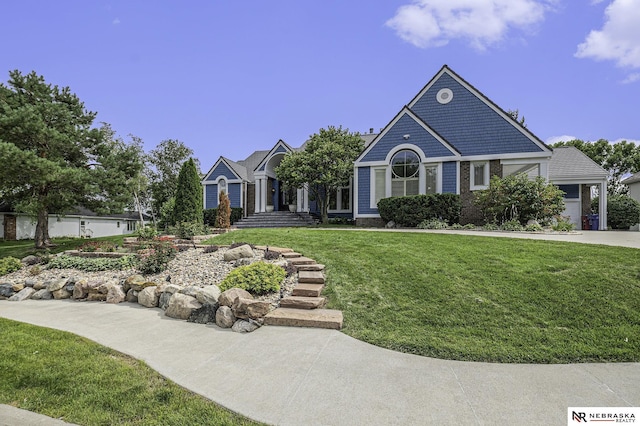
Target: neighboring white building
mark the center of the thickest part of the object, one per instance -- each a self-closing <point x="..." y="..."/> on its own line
<point x="633" y="182"/>
<point x="83" y="223"/>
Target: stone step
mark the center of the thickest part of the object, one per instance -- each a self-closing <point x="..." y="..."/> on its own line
<point x="301" y="261"/>
<point x="276" y="249"/>
<point x="291" y="255"/>
<point x="302" y="302"/>
<point x="310" y="277"/>
<point x="308" y="290"/>
<point x="314" y="267"/>
<point x="317" y="318"/>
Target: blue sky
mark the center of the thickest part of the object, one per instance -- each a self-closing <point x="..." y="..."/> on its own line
<point x="231" y="77"/>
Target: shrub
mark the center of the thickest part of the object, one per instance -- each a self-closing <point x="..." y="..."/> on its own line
<point x="210" y="216"/>
<point x="622" y="211"/>
<point x="533" y="227"/>
<point x="223" y="220"/>
<point x="432" y="224"/>
<point x="9" y="264"/>
<point x="470" y="226"/>
<point x="516" y="197"/>
<point x="92" y="264"/>
<point x="490" y="227"/>
<point x="147" y="232"/>
<point x="156" y="257"/>
<point x="257" y="278"/>
<point x="189" y="229"/>
<point x="92" y="246"/>
<point x="289" y="269"/>
<point x="457" y="226"/>
<point x="512" y="225"/>
<point x="412" y="210"/>
<point x="271" y="255"/>
<point x="563" y="225"/>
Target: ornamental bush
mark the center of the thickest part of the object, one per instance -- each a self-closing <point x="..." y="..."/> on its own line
<point x="412" y="210"/>
<point x="517" y="198"/>
<point x="257" y="278"/>
<point x="92" y="264"/>
<point x="156" y="257"/>
<point x="9" y="264"/>
<point x="210" y="216"/>
<point x="622" y="211"/>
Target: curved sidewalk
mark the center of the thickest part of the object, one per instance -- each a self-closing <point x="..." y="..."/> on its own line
<point x="295" y="376"/>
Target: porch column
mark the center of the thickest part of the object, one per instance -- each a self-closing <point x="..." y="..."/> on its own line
<point x="602" y="206"/>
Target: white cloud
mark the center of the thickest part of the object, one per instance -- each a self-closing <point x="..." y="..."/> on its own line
<point x="633" y="141"/>
<point x="556" y="139"/>
<point x="631" y="78"/>
<point x="619" y="38"/>
<point x="115" y="21"/>
<point x="429" y="23"/>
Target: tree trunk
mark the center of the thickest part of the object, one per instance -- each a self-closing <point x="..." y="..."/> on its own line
<point x="139" y="207"/>
<point x="42" y="239"/>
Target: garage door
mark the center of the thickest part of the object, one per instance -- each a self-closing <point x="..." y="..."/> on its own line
<point x="572" y="209"/>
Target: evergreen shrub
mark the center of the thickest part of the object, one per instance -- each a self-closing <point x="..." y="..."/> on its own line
<point x="257" y="278"/>
<point x="412" y="210"/>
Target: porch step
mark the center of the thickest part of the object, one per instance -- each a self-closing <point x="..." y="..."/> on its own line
<point x="317" y="318"/>
<point x="310" y="277"/>
<point x="307" y="290"/>
<point x="303" y="302"/>
<point x="279" y="219"/>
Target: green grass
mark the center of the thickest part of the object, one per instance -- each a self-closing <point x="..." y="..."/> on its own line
<point x="65" y="376"/>
<point x="476" y="298"/>
<point x="22" y="248"/>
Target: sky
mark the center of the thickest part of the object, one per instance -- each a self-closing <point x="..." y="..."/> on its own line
<point x="231" y="77"/>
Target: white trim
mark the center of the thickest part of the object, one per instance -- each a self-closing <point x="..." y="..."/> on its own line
<point x="404" y="147"/>
<point x="521" y="158"/>
<point x="458" y="177"/>
<point x="339" y="199"/>
<point x="482" y="98"/>
<point x="472" y="174"/>
<point x="220" y="160"/>
<point x="270" y="154"/>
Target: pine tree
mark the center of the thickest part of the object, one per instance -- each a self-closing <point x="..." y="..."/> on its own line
<point x="188" y="204"/>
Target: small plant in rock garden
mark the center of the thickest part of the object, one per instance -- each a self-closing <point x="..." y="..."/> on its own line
<point x="257" y="278"/>
<point x="433" y="224"/>
<point x="271" y="255"/>
<point x="457" y="226"/>
<point x="93" y="246"/>
<point x="35" y="270"/>
<point x="156" y="257"/>
<point x="512" y="225"/>
<point x="490" y="227"/>
<point x="533" y="227"/>
<point x="92" y="264"/>
<point x="290" y="269"/>
<point x="563" y="226"/>
<point x="147" y="232"/>
<point x="469" y="226"/>
<point x="9" y="264"/>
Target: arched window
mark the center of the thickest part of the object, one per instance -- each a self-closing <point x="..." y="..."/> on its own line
<point x="405" y="174"/>
<point x="222" y="187"/>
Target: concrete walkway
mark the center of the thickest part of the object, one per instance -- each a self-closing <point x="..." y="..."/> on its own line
<point x="299" y="376"/>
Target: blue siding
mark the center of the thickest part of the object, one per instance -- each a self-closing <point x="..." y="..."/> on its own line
<point x="221" y="170"/>
<point x="406" y="125"/>
<point x="235" y="190"/>
<point x="467" y="123"/>
<point x="364" y="191"/>
<point x="449" y="177"/>
<point x="280" y="149"/>
<point x="571" y="191"/>
<point x="211" y="196"/>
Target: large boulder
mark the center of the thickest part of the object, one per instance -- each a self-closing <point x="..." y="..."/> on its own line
<point x="39" y="285"/>
<point x="148" y="297"/>
<point x="62" y="293"/>
<point x="57" y="284"/>
<point x="225" y="317"/>
<point x="229" y="296"/>
<point x="238" y="253"/>
<point x="17" y="287"/>
<point x="132" y="296"/>
<point x="190" y="290"/>
<point x="31" y="260"/>
<point x="250" y="308"/>
<point x="6" y="290"/>
<point x="80" y="289"/>
<point x="116" y="294"/>
<point x="245" y="326"/>
<point x="42" y="294"/>
<point x="181" y="306"/>
<point x="208" y="294"/>
<point x="204" y="315"/>
<point x="23" y="294"/>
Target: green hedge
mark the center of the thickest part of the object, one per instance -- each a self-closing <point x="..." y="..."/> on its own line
<point x="622" y="211"/>
<point x="412" y="210"/>
<point x="210" y="216"/>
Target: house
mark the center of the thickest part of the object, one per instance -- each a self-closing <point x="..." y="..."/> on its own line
<point x="450" y="138"/>
<point x="81" y="223"/>
<point x="633" y="182"/>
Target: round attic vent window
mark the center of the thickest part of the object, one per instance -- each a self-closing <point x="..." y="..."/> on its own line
<point x="444" y="96"/>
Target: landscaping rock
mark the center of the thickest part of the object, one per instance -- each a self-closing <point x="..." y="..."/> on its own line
<point x="208" y="295"/>
<point x="134" y="280"/>
<point x="238" y="253"/>
<point x="39" y="285"/>
<point x="244" y="326"/>
<point x="148" y="297"/>
<point x="229" y="296"/>
<point x="106" y="286"/>
<point x="243" y="262"/>
<point x="204" y="315"/>
<point x="391" y="224"/>
<point x="57" y="284"/>
<point x="163" y="300"/>
<point x="132" y="296"/>
<point x="42" y="294"/>
<point x="96" y="297"/>
<point x="17" y="287"/>
<point x="80" y="290"/>
<point x="225" y="317"/>
<point x="31" y="260"/>
<point x="171" y="288"/>
<point x="115" y="294"/>
<point x="190" y="290"/>
<point x="61" y="293"/>
<point x="181" y="306"/>
<point x="23" y="294"/>
<point x="29" y="283"/>
<point x="249" y="308"/>
<point x="6" y="290"/>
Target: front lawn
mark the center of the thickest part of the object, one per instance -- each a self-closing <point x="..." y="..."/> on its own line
<point x="22" y="248"/>
<point x="475" y="298"/>
<point x="62" y="375"/>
